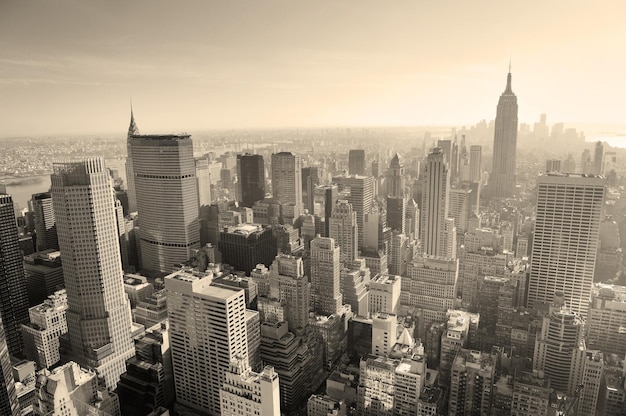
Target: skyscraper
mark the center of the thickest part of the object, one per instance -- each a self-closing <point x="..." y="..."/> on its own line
<point x="326" y="196"/>
<point x="396" y="201"/>
<point x="598" y="159"/>
<point x="207" y="332"/>
<point x="435" y="199"/>
<point x="98" y="315"/>
<point x="13" y="295"/>
<point x="344" y="230"/>
<point x="294" y="289"/>
<point x="476" y="166"/>
<point x="251" y="173"/>
<point x="167" y="200"/>
<point x="9" y="404"/>
<point x="130" y="172"/>
<point x="565" y="240"/>
<point x="396" y="177"/>
<point x="325" y="276"/>
<point x="502" y="179"/>
<point x="310" y="179"/>
<point x="356" y="162"/>
<point x="361" y="196"/>
<point x="287" y="185"/>
<point x="45" y="224"/>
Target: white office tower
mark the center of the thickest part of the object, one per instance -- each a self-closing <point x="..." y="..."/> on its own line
<point x="287" y="185"/>
<point x="98" y="316"/>
<point x="246" y="393"/>
<point x="435" y="233"/>
<point x="565" y="242"/>
<point x="325" y="276"/>
<point x="167" y="200"/>
<point x="207" y="332"/>
<point x="344" y="230"/>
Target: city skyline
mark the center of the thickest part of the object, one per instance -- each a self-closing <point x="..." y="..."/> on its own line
<point x="275" y="64"/>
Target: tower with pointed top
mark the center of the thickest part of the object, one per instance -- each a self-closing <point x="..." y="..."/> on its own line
<point x="130" y="173"/>
<point x="502" y="179"/>
<point x="396" y="200"/>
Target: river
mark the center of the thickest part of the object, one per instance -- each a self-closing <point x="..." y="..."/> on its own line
<point x="23" y="188"/>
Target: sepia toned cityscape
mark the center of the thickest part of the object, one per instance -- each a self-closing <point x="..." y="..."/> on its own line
<point x="301" y="218"/>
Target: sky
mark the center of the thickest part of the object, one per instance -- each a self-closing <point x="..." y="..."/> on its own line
<point x="72" y="66"/>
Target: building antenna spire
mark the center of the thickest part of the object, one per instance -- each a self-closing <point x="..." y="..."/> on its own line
<point x="508" y="80"/>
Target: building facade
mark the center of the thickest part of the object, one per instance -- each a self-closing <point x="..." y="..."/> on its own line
<point x="98" y="315"/>
<point x="167" y="200"/>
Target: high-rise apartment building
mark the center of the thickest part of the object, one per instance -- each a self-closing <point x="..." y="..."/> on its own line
<point x="246" y="393"/>
<point x="565" y="241"/>
<point x="42" y="335"/>
<point x="435" y="200"/>
<point x="251" y="176"/>
<point x="130" y="172"/>
<point x="502" y="179"/>
<point x="430" y="284"/>
<point x="207" y="332"/>
<point x="471" y="384"/>
<point x="287" y="185"/>
<point x="325" y="276"/>
<point x="356" y="162"/>
<point x="98" y="315"/>
<point x="345" y="230"/>
<point x="9" y="404"/>
<point x="13" y="295"/>
<point x="45" y="224"/>
<point x="167" y="200"/>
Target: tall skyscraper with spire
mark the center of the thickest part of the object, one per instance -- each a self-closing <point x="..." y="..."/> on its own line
<point x="502" y="179"/>
<point x="130" y="173"/>
<point x="396" y="201"/>
<point x="98" y="315"/>
<point x="167" y="200"/>
<point x="13" y="295"/>
<point x="436" y="231"/>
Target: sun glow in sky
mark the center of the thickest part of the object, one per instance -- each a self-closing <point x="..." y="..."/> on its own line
<point x="71" y="66"/>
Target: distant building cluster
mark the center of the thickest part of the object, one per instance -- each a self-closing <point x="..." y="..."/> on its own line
<point x="366" y="281"/>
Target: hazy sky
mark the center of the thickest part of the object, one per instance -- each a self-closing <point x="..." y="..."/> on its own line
<point x="71" y="66"/>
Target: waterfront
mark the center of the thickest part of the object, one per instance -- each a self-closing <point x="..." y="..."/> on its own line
<point x="23" y="188"/>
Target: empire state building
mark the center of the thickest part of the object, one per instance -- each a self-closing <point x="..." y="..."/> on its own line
<point x="502" y="179"/>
